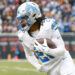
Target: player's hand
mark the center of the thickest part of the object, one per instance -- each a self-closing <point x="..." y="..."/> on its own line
<point x="40" y="47"/>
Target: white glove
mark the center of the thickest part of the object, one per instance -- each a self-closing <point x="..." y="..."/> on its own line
<point x="41" y="47"/>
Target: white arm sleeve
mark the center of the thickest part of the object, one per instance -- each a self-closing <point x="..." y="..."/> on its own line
<point x="59" y="51"/>
<point x="31" y="58"/>
<point x="57" y="39"/>
<point x="29" y="54"/>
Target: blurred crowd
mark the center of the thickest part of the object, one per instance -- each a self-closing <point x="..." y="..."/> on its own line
<point x="62" y="10"/>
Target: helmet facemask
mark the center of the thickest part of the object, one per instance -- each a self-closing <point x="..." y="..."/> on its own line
<point x="24" y="23"/>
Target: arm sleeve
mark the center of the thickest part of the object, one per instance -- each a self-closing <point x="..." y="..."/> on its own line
<point x="31" y="58"/>
<point x="59" y="51"/>
<point x="29" y="54"/>
<point x="57" y="39"/>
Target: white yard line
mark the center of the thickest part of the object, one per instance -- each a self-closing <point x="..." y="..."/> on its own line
<point x="6" y="68"/>
<point x="25" y="69"/>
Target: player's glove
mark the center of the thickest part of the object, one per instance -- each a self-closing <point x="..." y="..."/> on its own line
<point x="41" y="47"/>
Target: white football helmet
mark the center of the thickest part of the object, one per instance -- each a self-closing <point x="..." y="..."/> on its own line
<point x="27" y="13"/>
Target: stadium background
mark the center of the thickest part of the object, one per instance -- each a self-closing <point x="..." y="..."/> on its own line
<point x="62" y="10"/>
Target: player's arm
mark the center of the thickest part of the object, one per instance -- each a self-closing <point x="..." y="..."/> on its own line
<point x="31" y="57"/>
<point x="60" y="47"/>
<point x="29" y="54"/>
<point x="57" y="39"/>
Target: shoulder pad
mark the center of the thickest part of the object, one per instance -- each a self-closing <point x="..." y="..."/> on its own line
<point x="54" y="25"/>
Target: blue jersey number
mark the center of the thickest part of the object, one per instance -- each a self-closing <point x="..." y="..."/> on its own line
<point x="43" y="57"/>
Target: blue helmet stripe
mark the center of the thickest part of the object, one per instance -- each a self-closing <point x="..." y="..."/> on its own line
<point x="28" y="7"/>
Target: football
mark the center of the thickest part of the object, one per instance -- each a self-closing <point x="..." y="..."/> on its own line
<point x="49" y="42"/>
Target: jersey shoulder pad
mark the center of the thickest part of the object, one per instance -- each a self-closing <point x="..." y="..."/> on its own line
<point x="52" y="23"/>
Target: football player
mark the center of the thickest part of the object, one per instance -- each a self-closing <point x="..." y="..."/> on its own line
<point x="33" y="25"/>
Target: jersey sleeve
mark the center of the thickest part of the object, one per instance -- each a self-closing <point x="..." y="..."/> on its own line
<point x="31" y="57"/>
<point x="20" y="36"/>
<point x="29" y="53"/>
<point x="60" y="47"/>
<point x="51" y="24"/>
<point x="54" y="25"/>
<point x="56" y="38"/>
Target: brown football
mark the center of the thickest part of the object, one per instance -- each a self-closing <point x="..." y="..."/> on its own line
<point x="49" y="42"/>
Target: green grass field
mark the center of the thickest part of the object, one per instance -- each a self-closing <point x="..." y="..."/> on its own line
<point x="17" y="68"/>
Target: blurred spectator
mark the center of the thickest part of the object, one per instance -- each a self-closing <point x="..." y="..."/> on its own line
<point x="66" y="23"/>
<point x="1" y="7"/>
<point x="22" y="1"/>
<point x="67" y="10"/>
<point x="72" y="25"/>
<point x="5" y="26"/>
<point x="17" y="51"/>
<point x="0" y="24"/>
<point x="14" y="29"/>
<point x="10" y="28"/>
<point x="73" y="10"/>
<point x="71" y="2"/>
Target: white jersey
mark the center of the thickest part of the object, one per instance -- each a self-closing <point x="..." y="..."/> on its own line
<point x="47" y="30"/>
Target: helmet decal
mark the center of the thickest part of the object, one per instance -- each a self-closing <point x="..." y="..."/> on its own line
<point x="30" y="8"/>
